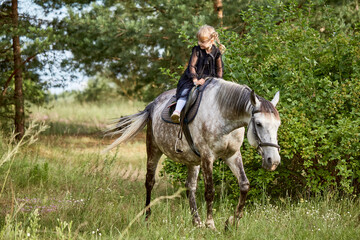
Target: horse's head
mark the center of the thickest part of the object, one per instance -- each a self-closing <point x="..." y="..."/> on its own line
<point x="262" y="130"/>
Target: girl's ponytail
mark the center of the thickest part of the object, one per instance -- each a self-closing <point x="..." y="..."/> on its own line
<point x="222" y="48"/>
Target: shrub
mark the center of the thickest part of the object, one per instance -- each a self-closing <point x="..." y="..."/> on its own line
<point x="98" y="89"/>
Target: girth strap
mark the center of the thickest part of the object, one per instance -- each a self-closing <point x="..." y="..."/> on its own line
<point x="188" y="137"/>
<point x="184" y="125"/>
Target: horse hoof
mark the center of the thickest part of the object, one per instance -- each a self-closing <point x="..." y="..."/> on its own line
<point x="147" y="215"/>
<point x="232" y="221"/>
<point x="210" y="224"/>
<point x="197" y="223"/>
<point x="229" y="222"/>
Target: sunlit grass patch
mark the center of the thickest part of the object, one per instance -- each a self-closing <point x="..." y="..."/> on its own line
<point x="93" y="113"/>
<point x="69" y="117"/>
<point x="77" y="149"/>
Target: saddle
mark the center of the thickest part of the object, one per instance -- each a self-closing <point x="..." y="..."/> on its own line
<point x="190" y="110"/>
<point x="187" y="115"/>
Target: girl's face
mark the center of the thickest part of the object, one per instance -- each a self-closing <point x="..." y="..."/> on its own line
<point x="205" y="42"/>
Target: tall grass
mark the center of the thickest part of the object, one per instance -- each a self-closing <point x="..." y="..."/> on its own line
<point x="61" y="187"/>
<point x="73" y="118"/>
<point x="73" y="112"/>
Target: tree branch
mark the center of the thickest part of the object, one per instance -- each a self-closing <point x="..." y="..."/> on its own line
<point x="155" y="7"/>
<point x="6" y="85"/>
<point x="4" y="50"/>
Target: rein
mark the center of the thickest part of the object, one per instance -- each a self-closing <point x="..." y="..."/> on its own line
<point x="257" y="137"/>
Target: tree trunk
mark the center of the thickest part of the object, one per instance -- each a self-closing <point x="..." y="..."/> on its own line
<point x="18" y="96"/>
<point x="218" y="7"/>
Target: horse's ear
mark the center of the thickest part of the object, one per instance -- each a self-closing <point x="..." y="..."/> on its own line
<point x="254" y="100"/>
<point x="276" y="98"/>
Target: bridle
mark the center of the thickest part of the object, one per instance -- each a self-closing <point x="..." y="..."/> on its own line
<point x="257" y="137"/>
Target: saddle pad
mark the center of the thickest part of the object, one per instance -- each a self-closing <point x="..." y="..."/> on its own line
<point x="190" y="115"/>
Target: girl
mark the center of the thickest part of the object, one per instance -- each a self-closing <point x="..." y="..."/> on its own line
<point x="205" y="61"/>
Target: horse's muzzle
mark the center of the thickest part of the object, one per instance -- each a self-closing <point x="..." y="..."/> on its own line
<point x="270" y="161"/>
<point x="270" y="167"/>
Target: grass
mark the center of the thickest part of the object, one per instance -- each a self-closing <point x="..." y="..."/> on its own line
<point x="70" y="118"/>
<point x="61" y="187"/>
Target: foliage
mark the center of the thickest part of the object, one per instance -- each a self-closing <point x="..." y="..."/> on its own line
<point x="317" y="71"/>
<point x="19" y="230"/>
<point x="98" y="89"/>
<point x="128" y="41"/>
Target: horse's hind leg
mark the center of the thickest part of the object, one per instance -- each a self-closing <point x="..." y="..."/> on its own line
<point x="153" y="156"/>
<point x="191" y="184"/>
<point x="236" y="165"/>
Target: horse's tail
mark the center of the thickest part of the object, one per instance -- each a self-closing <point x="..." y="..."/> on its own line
<point x="128" y="126"/>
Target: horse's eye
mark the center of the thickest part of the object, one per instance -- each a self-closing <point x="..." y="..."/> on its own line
<point x="259" y="124"/>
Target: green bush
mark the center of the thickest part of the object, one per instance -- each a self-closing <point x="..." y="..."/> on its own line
<point x="318" y="74"/>
<point x="97" y="90"/>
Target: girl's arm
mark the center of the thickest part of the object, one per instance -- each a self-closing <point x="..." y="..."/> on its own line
<point x="219" y="67"/>
<point x="192" y="65"/>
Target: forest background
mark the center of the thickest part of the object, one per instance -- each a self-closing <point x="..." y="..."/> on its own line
<point x="131" y="51"/>
<point x="309" y="50"/>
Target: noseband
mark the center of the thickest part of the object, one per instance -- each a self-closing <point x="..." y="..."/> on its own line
<point x="257" y="137"/>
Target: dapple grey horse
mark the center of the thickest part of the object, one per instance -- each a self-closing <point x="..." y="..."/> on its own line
<point x="218" y="133"/>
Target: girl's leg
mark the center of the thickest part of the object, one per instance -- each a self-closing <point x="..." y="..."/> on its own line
<point x="179" y="106"/>
<point x="182" y="100"/>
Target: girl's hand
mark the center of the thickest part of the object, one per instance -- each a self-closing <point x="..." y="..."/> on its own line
<point x="201" y="81"/>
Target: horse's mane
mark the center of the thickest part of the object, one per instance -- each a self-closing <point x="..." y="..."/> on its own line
<point x="236" y="98"/>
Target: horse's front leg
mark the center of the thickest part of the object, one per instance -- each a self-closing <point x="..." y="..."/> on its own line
<point x="207" y="168"/>
<point x="191" y="185"/>
<point x="236" y="165"/>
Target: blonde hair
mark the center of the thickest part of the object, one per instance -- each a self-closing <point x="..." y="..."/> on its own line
<point x="209" y="32"/>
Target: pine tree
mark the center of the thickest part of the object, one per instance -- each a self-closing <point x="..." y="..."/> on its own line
<point x="23" y="38"/>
